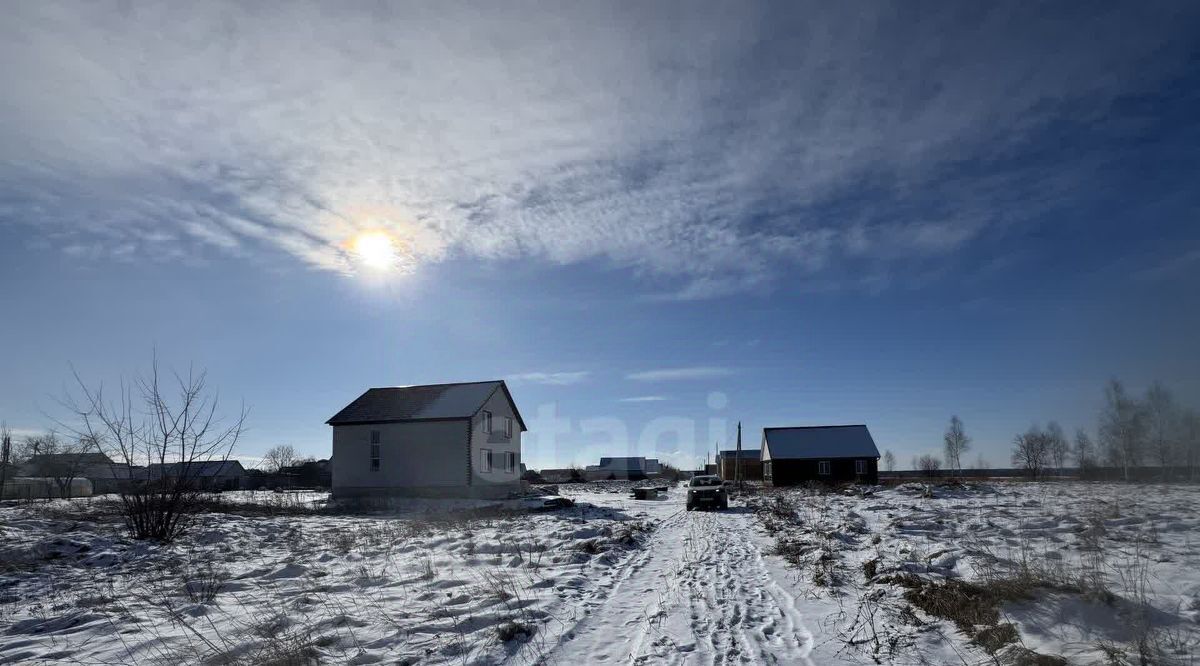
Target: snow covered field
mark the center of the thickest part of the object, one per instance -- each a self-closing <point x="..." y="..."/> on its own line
<point x="1094" y="573"/>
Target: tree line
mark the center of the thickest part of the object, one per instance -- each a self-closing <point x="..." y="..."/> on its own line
<point x="1132" y="432"/>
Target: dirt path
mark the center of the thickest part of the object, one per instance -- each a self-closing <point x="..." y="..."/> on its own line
<point x="700" y="593"/>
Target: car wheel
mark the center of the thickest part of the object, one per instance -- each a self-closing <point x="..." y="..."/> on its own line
<point x="724" y="505"/>
<point x="690" y="507"/>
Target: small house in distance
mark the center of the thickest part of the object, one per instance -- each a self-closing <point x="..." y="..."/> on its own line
<point x="749" y="460"/>
<point x="631" y="467"/>
<point x="830" y="454"/>
<point x="436" y="440"/>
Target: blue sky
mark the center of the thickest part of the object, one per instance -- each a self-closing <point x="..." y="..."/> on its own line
<point x="653" y="221"/>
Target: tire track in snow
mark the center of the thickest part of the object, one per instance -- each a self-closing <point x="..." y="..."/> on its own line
<point x="700" y="593"/>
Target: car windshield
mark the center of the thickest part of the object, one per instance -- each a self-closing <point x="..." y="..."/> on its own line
<point x="706" y="481"/>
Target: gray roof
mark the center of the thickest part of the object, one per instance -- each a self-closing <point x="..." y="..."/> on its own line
<point x="747" y="454"/>
<point x="629" y="463"/>
<point x="203" y="468"/>
<point x="840" y="441"/>
<point x="430" y="402"/>
<point x="75" y="458"/>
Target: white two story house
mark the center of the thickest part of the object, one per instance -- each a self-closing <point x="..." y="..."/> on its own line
<point x="437" y="440"/>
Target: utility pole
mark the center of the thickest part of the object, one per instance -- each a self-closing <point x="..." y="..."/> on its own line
<point x="738" y="461"/>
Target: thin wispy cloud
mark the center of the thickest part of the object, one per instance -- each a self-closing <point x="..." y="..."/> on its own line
<point x="644" y="398"/>
<point x="677" y="374"/>
<point x="550" y="378"/>
<point x="1172" y="267"/>
<point x="706" y="159"/>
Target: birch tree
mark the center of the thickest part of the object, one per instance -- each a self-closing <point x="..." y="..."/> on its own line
<point x="956" y="444"/>
<point x="889" y="461"/>
<point x="1122" y="428"/>
<point x="1162" y="427"/>
<point x="1058" y="446"/>
<point x="1085" y="452"/>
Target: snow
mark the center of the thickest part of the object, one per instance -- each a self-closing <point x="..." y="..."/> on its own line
<point x="610" y="580"/>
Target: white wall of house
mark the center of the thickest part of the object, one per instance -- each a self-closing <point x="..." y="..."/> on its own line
<point x="499" y="479"/>
<point x="420" y="457"/>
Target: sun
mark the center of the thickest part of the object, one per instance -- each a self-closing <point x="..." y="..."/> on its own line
<point x="375" y="250"/>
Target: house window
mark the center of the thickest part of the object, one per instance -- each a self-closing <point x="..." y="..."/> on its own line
<point x="823" y="468"/>
<point x="508" y="427"/>
<point x="860" y="466"/>
<point x="485" y="459"/>
<point x="767" y="469"/>
<point x="374" y="450"/>
<point x="510" y="462"/>
<point x="487" y="421"/>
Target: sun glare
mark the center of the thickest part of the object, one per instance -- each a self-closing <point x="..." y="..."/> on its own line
<point x="376" y="250"/>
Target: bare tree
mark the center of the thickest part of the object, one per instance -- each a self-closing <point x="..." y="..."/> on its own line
<point x="1059" y="446"/>
<point x="956" y="443"/>
<point x="5" y="455"/>
<point x="981" y="463"/>
<point x="1031" y="451"/>
<point x="930" y="465"/>
<point x="49" y="456"/>
<point x="279" y="457"/>
<point x="889" y="461"/>
<point x="1122" y="427"/>
<point x="1162" y="426"/>
<point x="1085" y="453"/>
<point x="177" y="429"/>
<point x="32" y="446"/>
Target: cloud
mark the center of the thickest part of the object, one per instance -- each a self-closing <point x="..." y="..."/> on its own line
<point x="551" y="378"/>
<point x="673" y="374"/>
<point x="1169" y="268"/>
<point x="706" y="158"/>
<point x="644" y="398"/>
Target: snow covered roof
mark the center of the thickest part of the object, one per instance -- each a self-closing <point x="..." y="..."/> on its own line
<point x="422" y="403"/>
<point x="840" y="441"/>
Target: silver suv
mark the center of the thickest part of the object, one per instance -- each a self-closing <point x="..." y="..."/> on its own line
<point x="707" y="491"/>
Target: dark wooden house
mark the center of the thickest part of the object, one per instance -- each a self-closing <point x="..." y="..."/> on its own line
<point x="750" y="462"/>
<point x="829" y="454"/>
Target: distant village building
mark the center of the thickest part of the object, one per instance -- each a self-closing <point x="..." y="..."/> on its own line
<point x="562" y="475"/>
<point x="633" y="467"/>
<point x="104" y="475"/>
<point x="828" y="454"/>
<point x="438" y="440"/>
<point x="211" y="475"/>
<point x="751" y="465"/>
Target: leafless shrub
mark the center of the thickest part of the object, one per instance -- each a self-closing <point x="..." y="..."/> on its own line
<point x="177" y="435"/>
<point x="929" y="465"/>
<point x="204" y="584"/>
<point x="426" y="569"/>
<point x="343" y="540"/>
<point x="497" y="586"/>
